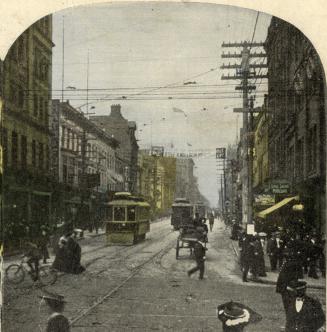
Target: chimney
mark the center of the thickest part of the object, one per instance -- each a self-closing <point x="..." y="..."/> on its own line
<point x="115" y="111"/>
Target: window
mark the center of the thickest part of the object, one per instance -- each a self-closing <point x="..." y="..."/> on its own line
<point x="4" y="146"/>
<point x="131" y="213"/>
<point x="20" y="97"/>
<point x="119" y="213"/>
<point x="23" y="142"/>
<point x="36" y="105"/>
<point x="312" y="149"/>
<point x="41" y="108"/>
<point x="33" y="153"/>
<point x="299" y="158"/>
<point x="73" y="141"/>
<point x="14" y="147"/>
<point x="68" y="139"/>
<point x="41" y="156"/>
<point x="63" y="133"/>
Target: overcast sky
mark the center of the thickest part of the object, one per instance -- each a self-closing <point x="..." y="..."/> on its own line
<point x="149" y="51"/>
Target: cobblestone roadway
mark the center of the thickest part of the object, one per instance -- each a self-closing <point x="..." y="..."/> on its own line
<point x="159" y="298"/>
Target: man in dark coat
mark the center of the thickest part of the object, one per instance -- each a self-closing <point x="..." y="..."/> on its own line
<point x="303" y="313"/>
<point x="249" y="258"/>
<point x="259" y="257"/>
<point x="275" y="248"/>
<point x="241" y="244"/>
<point x="199" y="253"/>
<point x="291" y="271"/>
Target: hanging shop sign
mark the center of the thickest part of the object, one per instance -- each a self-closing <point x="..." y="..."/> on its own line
<point x="264" y="199"/>
<point x="278" y="187"/>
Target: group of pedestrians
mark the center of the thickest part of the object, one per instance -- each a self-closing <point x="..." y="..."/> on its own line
<point x="309" y="248"/>
<point x="252" y="255"/>
<point x="310" y="252"/>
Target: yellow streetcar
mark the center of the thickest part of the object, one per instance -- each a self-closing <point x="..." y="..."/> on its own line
<point x="128" y="219"/>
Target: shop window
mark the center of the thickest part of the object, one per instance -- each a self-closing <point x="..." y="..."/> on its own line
<point x="23" y="151"/>
<point x="312" y="149"/>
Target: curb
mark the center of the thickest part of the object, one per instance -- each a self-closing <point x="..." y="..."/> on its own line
<point x="273" y="283"/>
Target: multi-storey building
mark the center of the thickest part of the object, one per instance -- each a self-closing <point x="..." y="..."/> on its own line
<point x="25" y="131"/>
<point x="296" y="118"/>
<point x="184" y="178"/>
<point x="124" y="131"/>
<point x="157" y="181"/>
<point x="84" y="161"/>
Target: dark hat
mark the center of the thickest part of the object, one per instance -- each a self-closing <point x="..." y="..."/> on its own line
<point x="237" y="311"/>
<point x="296" y="285"/>
<point x="233" y="311"/>
<point x="52" y="297"/>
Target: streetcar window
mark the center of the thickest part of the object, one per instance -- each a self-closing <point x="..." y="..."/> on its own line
<point x="109" y="213"/>
<point x="119" y="213"/>
<point x="131" y="213"/>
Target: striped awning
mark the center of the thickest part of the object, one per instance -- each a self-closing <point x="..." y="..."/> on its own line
<point x="263" y="214"/>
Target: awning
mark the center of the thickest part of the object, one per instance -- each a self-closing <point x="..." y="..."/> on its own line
<point x="263" y="214"/>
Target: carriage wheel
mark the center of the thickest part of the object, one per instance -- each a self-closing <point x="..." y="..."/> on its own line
<point x="177" y="249"/>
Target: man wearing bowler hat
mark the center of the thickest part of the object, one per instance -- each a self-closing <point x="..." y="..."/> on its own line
<point x="303" y="313"/>
<point x="57" y="322"/>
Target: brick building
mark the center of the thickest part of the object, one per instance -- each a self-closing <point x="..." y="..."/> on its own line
<point x="26" y="85"/>
<point x="123" y="130"/>
<point x="296" y="118"/>
<point x="84" y="161"/>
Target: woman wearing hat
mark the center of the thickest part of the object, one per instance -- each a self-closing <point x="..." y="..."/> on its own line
<point x="235" y="316"/>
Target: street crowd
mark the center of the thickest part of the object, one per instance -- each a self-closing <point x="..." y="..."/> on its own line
<point x="307" y="250"/>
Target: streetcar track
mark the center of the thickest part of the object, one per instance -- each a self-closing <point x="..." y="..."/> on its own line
<point x="135" y="271"/>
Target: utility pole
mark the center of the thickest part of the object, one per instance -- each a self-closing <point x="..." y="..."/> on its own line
<point x="244" y="74"/>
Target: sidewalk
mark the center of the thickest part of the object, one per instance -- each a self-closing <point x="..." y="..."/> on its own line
<point x="84" y="241"/>
<point x="271" y="278"/>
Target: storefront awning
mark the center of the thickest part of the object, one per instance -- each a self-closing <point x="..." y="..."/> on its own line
<point x="263" y="214"/>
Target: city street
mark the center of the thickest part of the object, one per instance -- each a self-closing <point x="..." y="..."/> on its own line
<point x="144" y="288"/>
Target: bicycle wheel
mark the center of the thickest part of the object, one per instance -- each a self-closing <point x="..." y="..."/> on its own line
<point x="15" y="273"/>
<point x="47" y="276"/>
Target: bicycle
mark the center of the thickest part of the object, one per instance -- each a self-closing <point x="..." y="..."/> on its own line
<point x="15" y="274"/>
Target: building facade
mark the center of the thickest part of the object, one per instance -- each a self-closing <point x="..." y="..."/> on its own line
<point x="25" y="132"/>
<point x="184" y="178"/>
<point x="296" y="119"/>
<point x="84" y="162"/>
<point x="157" y="181"/>
<point x="123" y="131"/>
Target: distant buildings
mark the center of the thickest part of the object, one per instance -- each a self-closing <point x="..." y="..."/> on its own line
<point x="157" y="181"/>
<point x="25" y="132"/>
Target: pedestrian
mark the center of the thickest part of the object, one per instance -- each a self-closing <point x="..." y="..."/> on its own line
<point x="312" y="257"/>
<point x="275" y="248"/>
<point x="303" y="313"/>
<point x="211" y="221"/>
<point x="249" y="258"/>
<point x="75" y="253"/>
<point x="235" y="316"/>
<point x="33" y="256"/>
<point x="259" y="255"/>
<point x="291" y="271"/>
<point x="241" y="244"/>
<point x="199" y="253"/>
<point x="43" y="243"/>
<point x="57" y="322"/>
<point x="235" y="230"/>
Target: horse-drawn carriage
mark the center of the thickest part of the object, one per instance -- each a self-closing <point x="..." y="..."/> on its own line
<point x="189" y="234"/>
